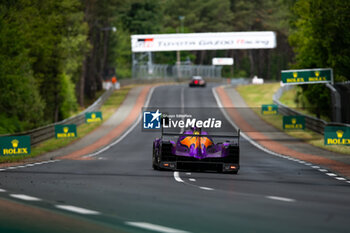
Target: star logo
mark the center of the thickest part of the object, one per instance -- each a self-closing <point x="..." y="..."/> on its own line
<point x="151" y="120"/>
<point x="155" y="115"/>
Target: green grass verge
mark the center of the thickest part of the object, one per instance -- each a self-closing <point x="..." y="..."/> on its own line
<point x="256" y="95"/>
<point x="109" y="107"/>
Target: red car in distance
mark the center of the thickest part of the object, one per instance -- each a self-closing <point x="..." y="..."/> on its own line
<point x="197" y="81"/>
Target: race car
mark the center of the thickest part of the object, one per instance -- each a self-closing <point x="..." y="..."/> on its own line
<point x="196" y="150"/>
<point x="197" y="81"/>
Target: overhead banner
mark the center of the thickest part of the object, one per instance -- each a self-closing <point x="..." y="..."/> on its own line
<point x="203" y="41"/>
<point x="307" y="76"/>
<point x="222" y="61"/>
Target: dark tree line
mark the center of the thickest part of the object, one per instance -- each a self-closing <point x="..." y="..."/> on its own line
<point x="54" y="54"/>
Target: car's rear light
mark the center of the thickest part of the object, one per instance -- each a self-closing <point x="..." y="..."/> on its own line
<point x="230" y="167"/>
<point x="169" y="165"/>
<point x="195" y="82"/>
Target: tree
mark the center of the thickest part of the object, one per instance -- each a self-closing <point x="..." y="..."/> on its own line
<point x="321" y="39"/>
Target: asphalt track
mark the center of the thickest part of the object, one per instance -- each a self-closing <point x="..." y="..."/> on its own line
<point x="119" y="191"/>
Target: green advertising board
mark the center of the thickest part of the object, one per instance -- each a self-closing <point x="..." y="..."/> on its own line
<point x="15" y="145"/>
<point x="308" y="76"/>
<point x="269" y="109"/>
<point x="337" y="135"/>
<point x="92" y="117"/>
<point x="294" y="122"/>
<point x="66" y="131"/>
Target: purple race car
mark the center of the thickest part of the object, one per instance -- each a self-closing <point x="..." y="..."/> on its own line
<point x="195" y="149"/>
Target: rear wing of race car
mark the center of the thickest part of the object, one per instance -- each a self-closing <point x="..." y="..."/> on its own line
<point x="198" y="135"/>
<point x="204" y="135"/>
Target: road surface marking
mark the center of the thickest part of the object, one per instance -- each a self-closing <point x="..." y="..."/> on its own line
<point x="2" y="170"/>
<point x="206" y="188"/>
<point x="251" y="141"/>
<point x="11" y="168"/>
<point x="323" y="170"/>
<point x="192" y="179"/>
<point x="188" y="173"/>
<point x="280" y="198"/>
<point x="25" y="197"/>
<point x="154" y="227"/>
<point x="30" y="165"/>
<point x="340" y="178"/>
<point x="177" y="177"/>
<point x="308" y="164"/>
<point x="77" y="209"/>
<point x="2" y="190"/>
<point x="331" y="174"/>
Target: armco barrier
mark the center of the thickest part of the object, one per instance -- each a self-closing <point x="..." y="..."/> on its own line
<point x="46" y="132"/>
<point x="312" y="123"/>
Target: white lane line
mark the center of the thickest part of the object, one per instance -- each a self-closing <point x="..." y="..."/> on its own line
<point x="280" y="198"/>
<point x="348" y="181"/>
<point x="2" y="190"/>
<point x="30" y="165"/>
<point x="206" y="188"/>
<point x="78" y="210"/>
<point x="323" y="170"/>
<point x="25" y="197"/>
<point x="154" y="227"/>
<point x="251" y="141"/>
<point x="331" y="174"/>
<point x="177" y="177"/>
<point x="340" y="178"/>
<point x="192" y="179"/>
<point x="188" y="173"/>
<point x="125" y="133"/>
<point x="38" y="163"/>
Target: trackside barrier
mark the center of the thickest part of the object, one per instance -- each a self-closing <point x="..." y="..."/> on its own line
<point x="46" y="132"/>
<point x="312" y="123"/>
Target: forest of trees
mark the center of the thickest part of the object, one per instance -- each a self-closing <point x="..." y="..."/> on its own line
<point x="54" y="54"/>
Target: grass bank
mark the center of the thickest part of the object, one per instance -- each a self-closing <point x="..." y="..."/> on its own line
<point x="107" y="109"/>
<point x="256" y="95"/>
